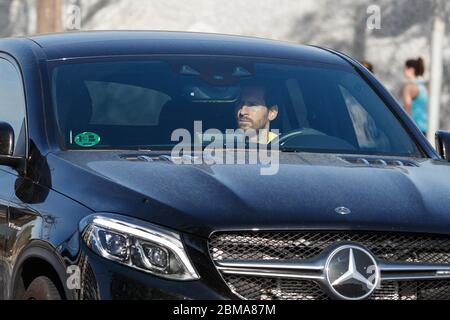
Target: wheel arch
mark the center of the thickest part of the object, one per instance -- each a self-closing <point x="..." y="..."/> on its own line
<point x="39" y="258"/>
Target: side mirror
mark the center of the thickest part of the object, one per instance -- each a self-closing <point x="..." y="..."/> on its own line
<point x="6" y="139"/>
<point x="443" y="144"/>
<point x="7" y="148"/>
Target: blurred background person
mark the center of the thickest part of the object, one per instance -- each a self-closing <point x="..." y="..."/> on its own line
<point x="367" y="65"/>
<point x="415" y="93"/>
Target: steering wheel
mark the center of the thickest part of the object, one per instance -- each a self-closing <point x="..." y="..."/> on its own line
<point x="307" y="138"/>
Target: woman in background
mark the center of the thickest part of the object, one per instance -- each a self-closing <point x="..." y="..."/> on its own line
<point x="368" y="65"/>
<point x="415" y="95"/>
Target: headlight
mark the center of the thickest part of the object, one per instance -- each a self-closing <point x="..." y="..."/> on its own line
<point x="139" y="245"/>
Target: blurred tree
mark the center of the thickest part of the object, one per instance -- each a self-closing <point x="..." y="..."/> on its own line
<point x="49" y="16"/>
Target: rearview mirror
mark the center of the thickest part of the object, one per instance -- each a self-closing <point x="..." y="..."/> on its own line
<point x="7" y="157"/>
<point x="443" y="144"/>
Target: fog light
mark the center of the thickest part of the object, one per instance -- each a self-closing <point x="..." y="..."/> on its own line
<point x="114" y="244"/>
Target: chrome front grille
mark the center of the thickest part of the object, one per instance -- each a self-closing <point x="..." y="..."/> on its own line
<point x="265" y="265"/>
<point x="394" y="247"/>
<point x="261" y="288"/>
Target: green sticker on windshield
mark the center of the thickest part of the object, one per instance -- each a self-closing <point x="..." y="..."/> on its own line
<point x="87" y="139"/>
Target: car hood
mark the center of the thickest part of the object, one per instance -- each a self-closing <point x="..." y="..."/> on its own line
<point x="304" y="194"/>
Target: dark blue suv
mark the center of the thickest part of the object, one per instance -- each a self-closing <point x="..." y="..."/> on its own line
<point x="123" y="174"/>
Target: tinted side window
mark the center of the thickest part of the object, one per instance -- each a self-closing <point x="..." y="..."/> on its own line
<point x="368" y="134"/>
<point x="12" y="102"/>
<point x="124" y="104"/>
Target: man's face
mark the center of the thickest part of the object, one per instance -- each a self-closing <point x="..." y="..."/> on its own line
<point x="252" y="112"/>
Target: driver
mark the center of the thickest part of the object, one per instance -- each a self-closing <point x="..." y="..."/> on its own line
<point x="254" y="112"/>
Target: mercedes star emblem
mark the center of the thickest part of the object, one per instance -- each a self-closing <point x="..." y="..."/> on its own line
<point x="342" y="210"/>
<point x="352" y="273"/>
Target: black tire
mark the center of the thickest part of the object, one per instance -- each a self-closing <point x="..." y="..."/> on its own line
<point x="42" y="288"/>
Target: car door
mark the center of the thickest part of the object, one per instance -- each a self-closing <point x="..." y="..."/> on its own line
<point x="12" y="111"/>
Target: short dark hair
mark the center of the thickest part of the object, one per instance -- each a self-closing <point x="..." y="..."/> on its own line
<point x="271" y="92"/>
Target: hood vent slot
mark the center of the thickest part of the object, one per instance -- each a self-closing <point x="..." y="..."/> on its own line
<point x="143" y="158"/>
<point x="163" y="157"/>
<point x="380" y="162"/>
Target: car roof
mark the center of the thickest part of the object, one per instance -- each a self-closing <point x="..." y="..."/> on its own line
<point x="110" y="43"/>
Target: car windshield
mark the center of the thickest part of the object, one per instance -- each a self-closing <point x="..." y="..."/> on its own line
<point x="140" y="102"/>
